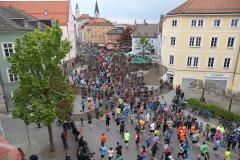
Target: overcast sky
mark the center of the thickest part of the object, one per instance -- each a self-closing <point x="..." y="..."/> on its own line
<point x="126" y="11"/>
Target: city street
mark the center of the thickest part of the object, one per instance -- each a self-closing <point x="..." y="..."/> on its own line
<point x="16" y="133"/>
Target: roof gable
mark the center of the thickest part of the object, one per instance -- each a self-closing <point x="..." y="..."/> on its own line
<point x="51" y="9"/>
<point x="148" y="30"/>
<point x="207" y="7"/>
<point x="12" y="19"/>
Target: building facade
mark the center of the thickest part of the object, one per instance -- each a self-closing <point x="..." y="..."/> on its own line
<point x="95" y="31"/>
<point x="50" y="9"/>
<point x="80" y="21"/>
<point x="114" y="35"/>
<point x="151" y="32"/>
<point x="14" y="24"/>
<point x="201" y="40"/>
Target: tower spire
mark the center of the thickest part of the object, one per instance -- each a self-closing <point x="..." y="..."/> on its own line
<point x="77" y="11"/>
<point x="96" y="12"/>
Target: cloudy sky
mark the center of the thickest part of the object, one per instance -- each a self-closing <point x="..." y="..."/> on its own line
<point x="126" y="11"/>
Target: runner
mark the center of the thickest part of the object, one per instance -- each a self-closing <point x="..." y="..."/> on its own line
<point x="126" y="138"/>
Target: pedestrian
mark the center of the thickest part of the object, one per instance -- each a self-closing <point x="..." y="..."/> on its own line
<point x="154" y="150"/>
<point x="118" y="149"/>
<point x="113" y="114"/>
<point x="107" y="121"/>
<point x="64" y="136"/>
<point x="216" y="146"/>
<point x="81" y="118"/>
<point x="103" y="151"/>
<point x="103" y="138"/>
<point x="122" y="128"/>
<point x="126" y="138"/>
<point x="207" y="131"/>
<point x="68" y="157"/>
<point x="83" y="105"/>
<point x="89" y="118"/>
<point x="143" y="152"/>
<point x="152" y="127"/>
<point x="21" y="153"/>
<point x="137" y="139"/>
<point x="186" y="147"/>
<point x="33" y="157"/>
<point x="117" y="120"/>
<point x="119" y="157"/>
<point x="110" y="153"/>
<point x="227" y="154"/>
<point x="181" y="152"/>
<point x="148" y="141"/>
<point x="204" y="151"/>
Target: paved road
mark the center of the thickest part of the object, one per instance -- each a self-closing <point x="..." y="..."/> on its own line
<point x="93" y="136"/>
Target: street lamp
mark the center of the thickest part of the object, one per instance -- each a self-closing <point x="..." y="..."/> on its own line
<point x="27" y="123"/>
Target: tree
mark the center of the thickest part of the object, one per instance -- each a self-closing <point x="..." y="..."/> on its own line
<point x="204" y="86"/>
<point x="125" y="38"/>
<point x="232" y="96"/>
<point x="145" y="44"/>
<point x="42" y="87"/>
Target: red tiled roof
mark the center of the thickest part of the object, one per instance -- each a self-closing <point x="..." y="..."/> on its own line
<point x="98" y="21"/>
<point x="207" y="7"/>
<point x="84" y="16"/>
<point x="55" y="9"/>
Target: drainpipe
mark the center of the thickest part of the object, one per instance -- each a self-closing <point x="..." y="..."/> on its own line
<point x="5" y="99"/>
<point x="235" y="68"/>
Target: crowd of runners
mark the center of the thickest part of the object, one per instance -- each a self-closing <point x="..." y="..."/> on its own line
<point x="112" y="92"/>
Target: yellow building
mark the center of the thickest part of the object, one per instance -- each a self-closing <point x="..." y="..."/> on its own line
<point x="95" y="30"/>
<point x="201" y="40"/>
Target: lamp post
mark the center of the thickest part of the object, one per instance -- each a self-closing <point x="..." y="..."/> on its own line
<point x="27" y="123"/>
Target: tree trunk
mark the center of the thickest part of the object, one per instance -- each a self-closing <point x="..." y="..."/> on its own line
<point x="52" y="147"/>
<point x="230" y="104"/>
<point x="203" y="93"/>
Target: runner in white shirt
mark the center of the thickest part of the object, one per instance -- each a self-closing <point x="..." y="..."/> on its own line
<point x="152" y="127"/>
<point x="110" y="153"/>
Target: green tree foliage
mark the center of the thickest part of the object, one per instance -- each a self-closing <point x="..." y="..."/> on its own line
<point x="43" y="88"/>
<point x="145" y="45"/>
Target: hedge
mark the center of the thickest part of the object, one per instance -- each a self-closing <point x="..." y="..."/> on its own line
<point x="214" y="109"/>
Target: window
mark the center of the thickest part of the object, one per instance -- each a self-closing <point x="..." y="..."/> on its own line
<point x="173" y="41"/>
<point x="192" y="61"/>
<point x="234" y="22"/>
<point x="8" y="49"/>
<point x="197" y="23"/>
<point x="171" y="59"/>
<point x="230" y="43"/>
<point x="226" y="63"/>
<point x="195" y="41"/>
<point x="211" y="62"/>
<point x="12" y="77"/>
<point x="174" y="23"/>
<point x="214" y="42"/>
<point x="216" y="23"/>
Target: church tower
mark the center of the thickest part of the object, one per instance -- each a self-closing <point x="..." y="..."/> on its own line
<point x="96" y="12"/>
<point x="77" y="11"/>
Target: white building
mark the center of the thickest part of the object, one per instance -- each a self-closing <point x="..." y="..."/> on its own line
<point x="151" y="31"/>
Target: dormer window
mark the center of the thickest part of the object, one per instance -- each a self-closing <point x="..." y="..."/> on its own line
<point x="26" y="23"/>
<point x="46" y="13"/>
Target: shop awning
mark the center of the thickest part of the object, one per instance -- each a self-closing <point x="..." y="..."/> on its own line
<point x="141" y="60"/>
